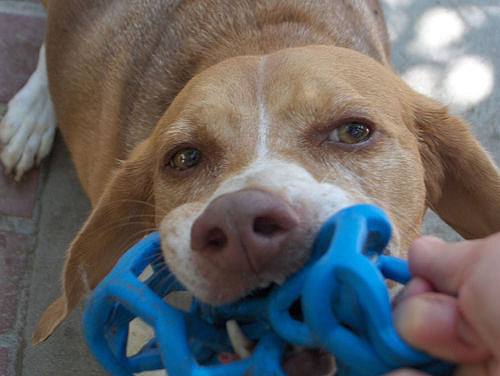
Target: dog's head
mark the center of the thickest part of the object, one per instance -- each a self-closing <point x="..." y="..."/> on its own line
<point x="256" y="152"/>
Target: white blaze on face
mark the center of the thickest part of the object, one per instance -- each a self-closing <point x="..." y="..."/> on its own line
<point x="263" y="130"/>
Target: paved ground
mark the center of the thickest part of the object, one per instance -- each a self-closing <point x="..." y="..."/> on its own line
<point x="449" y="49"/>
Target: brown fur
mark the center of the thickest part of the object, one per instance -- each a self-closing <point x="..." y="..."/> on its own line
<point x="121" y="76"/>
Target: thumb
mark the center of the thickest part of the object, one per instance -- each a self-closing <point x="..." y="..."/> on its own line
<point x="432" y="322"/>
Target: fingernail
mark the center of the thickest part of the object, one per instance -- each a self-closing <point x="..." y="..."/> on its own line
<point x="417" y="286"/>
<point x="422" y="252"/>
<point x="408" y="315"/>
<point x="427" y="316"/>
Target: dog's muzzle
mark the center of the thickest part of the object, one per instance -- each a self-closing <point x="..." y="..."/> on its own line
<point x="345" y="309"/>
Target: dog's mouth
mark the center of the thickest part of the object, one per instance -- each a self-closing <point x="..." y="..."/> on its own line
<point x="261" y="292"/>
<point x="296" y="361"/>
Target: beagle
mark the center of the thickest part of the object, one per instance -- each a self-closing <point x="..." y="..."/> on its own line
<point x="235" y="128"/>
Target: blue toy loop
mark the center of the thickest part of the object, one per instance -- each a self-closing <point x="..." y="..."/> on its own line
<point x="345" y="304"/>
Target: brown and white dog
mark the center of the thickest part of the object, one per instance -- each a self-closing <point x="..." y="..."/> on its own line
<point x="236" y="128"/>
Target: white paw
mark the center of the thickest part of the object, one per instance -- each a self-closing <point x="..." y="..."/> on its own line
<point x="27" y="129"/>
<point x="26" y="133"/>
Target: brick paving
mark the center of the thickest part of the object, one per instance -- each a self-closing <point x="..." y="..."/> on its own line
<point x="18" y="199"/>
<point x="21" y="34"/>
<point x="5" y="366"/>
<point x="14" y="250"/>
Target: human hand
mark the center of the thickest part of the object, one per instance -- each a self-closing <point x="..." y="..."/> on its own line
<point x="451" y="308"/>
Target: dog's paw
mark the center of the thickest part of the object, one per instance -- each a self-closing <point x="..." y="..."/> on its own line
<point x="27" y="129"/>
<point x="26" y="133"/>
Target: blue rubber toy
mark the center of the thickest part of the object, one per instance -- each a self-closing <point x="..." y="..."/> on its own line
<point x="345" y="304"/>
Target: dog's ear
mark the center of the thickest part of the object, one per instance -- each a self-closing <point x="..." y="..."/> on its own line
<point x="463" y="183"/>
<point x="123" y="215"/>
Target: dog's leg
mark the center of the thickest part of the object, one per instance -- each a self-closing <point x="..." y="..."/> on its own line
<point x="28" y="128"/>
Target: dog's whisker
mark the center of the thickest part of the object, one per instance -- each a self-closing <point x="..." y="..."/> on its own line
<point x="376" y="180"/>
<point x="409" y="225"/>
<point x="163" y="212"/>
<point x="154" y="258"/>
<point x="100" y="233"/>
<point x="136" y="235"/>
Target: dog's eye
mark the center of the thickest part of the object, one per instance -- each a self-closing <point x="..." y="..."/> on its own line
<point x="351" y="133"/>
<point x="185" y="159"/>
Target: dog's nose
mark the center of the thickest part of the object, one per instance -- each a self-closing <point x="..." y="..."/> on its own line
<point x="244" y="230"/>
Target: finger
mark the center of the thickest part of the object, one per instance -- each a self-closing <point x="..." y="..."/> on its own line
<point x="478" y="369"/>
<point x="415" y="287"/>
<point x="432" y="322"/>
<point x="479" y="297"/>
<point x="407" y="372"/>
<point x="444" y="265"/>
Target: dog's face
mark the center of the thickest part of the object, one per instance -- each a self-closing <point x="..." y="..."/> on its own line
<point x="281" y="142"/>
<point x="256" y="152"/>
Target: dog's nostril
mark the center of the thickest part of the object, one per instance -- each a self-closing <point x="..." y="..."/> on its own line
<point x="266" y="226"/>
<point x="216" y="240"/>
